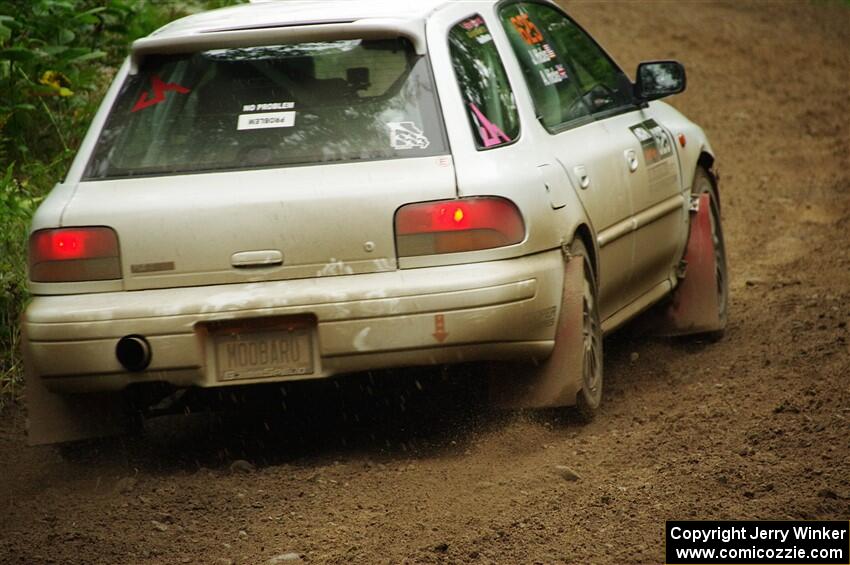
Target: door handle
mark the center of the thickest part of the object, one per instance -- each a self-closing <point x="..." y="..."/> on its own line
<point x="631" y="160"/>
<point x="583" y="177"/>
<point x="255" y="259"/>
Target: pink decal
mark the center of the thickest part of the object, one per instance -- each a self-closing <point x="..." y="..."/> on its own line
<point x="472" y="23"/>
<point x="159" y="90"/>
<point x="491" y="134"/>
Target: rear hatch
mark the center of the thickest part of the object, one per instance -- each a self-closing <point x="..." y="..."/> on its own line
<point x="265" y="163"/>
<point x="221" y="228"/>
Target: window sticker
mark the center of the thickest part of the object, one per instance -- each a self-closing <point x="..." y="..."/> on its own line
<point x="406" y="135"/>
<point x="265" y="120"/>
<point x="267" y="106"/>
<point x="475" y="29"/>
<point x="159" y="90"/>
<point x="526" y="29"/>
<point x="541" y="55"/>
<point x="553" y="75"/>
<point x="491" y="134"/>
<point x="473" y="24"/>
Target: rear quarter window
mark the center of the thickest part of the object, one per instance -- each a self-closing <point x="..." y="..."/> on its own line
<point x="487" y="94"/>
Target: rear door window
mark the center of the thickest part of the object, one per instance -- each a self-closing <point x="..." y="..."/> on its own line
<point x="271" y="106"/>
<point x="483" y="82"/>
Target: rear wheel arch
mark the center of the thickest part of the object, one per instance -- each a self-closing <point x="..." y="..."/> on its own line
<point x="583" y="233"/>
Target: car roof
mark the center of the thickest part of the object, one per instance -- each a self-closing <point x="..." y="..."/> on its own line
<point x="274" y="13"/>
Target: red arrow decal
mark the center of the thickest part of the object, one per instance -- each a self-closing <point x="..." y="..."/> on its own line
<point x="440" y="333"/>
<point x="159" y="90"/>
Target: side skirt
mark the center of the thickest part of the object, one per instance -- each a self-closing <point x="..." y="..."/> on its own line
<point x="644" y="302"/>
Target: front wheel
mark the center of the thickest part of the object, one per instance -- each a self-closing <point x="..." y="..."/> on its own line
<point x="704" y="184"/>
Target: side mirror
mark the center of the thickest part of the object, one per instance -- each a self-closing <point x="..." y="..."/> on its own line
<point x="658" y="79"/>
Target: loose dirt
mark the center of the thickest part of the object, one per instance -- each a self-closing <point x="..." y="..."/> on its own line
<point x="414" y="468"/>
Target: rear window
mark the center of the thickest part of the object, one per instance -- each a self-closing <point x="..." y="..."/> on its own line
<point x="271" y="106"/>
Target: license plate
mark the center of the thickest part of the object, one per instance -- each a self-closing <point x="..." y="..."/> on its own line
<point x="264" y="354"/>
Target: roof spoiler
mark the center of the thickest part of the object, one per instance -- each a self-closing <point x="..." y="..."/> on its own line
<point x="202" y="41"/>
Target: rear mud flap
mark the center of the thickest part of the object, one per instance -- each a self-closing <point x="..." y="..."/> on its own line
<point x="55" y="418"/>
<point x="694" y="306"/>
<point x="554" y="381"/>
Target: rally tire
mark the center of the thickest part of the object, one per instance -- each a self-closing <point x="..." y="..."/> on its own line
<point x="589" y="397"/>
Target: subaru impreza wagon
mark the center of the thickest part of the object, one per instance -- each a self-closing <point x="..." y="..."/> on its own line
<point x="295" y="190"/>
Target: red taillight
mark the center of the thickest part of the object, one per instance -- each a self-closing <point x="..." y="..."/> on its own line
<point x="452" y="226"/>
<point x="74" y="254"/>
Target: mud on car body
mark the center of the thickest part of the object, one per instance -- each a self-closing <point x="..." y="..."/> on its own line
<point x="278" y="191"/>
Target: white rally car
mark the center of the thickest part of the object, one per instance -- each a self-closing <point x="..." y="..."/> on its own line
<point x="295" y="190"/>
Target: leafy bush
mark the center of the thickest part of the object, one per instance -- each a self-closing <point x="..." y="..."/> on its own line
<point x="56" y="57"/>
<point x="56" y="60"/>
<point x="16" y="207"/>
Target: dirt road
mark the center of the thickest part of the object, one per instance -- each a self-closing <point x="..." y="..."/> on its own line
<point x="379" y="471"/>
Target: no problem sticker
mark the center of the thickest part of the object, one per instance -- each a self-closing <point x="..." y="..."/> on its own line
<point x="265" y="120"/>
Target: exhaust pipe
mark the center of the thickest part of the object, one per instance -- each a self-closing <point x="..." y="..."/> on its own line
<point x="133" y="352"/>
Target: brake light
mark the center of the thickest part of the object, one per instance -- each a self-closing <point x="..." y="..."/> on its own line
<point x="74" y="254"/>
<point x="452" y="226"/>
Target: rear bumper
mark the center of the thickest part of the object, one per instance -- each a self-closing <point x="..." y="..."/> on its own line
<point x="496" y="310"/>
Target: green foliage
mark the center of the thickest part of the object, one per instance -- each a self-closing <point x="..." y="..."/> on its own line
<point x="56" y="60"/>
<point x="48" y="84"/>
<point x="17" y="204"/>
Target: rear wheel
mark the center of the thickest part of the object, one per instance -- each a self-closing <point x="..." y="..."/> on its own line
<point x="590" y="395"/>
<point x="572" y="373"/>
